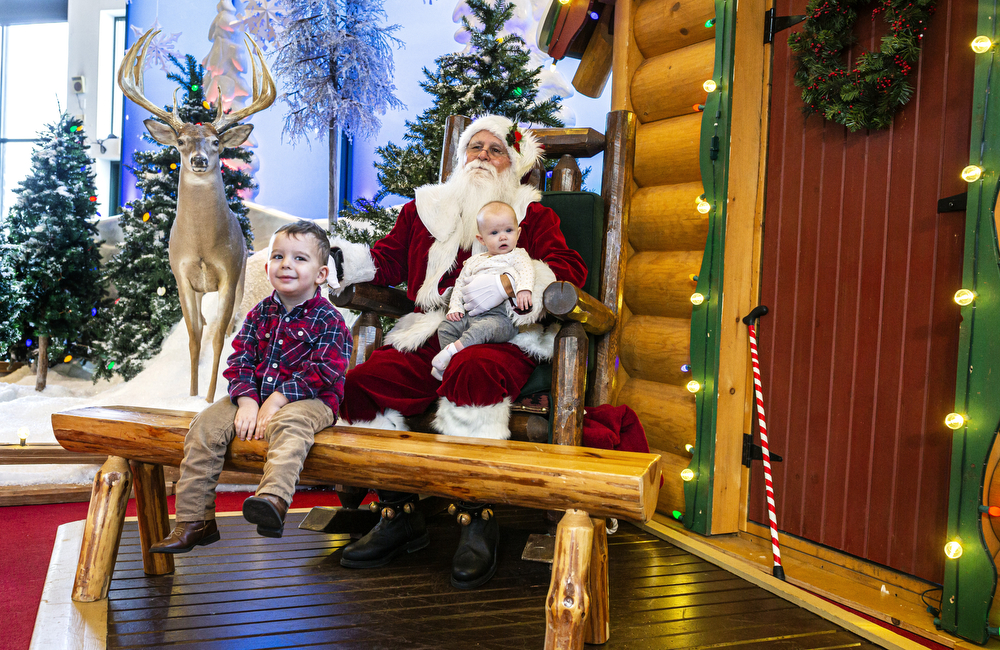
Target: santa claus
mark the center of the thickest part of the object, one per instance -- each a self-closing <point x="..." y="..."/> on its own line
<point x="434" y="234"/>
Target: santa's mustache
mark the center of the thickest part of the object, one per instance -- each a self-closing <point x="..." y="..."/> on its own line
<point x="481" y="164"/>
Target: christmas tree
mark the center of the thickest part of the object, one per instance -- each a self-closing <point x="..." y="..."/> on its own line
<point x="146" y="306"/>
<point x="11" y="305"/>
<point x="50" y="251"/>
<point x="492" y="77"/>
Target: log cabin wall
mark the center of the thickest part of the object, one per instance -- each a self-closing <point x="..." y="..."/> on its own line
<point x="858" y="353"/>
<point x="663" y="51"/>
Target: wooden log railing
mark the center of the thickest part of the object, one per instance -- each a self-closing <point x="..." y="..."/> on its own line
<point x="585" y="482"/>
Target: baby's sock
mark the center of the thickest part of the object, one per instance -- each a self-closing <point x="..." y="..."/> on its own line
<point x="441" y="360"/>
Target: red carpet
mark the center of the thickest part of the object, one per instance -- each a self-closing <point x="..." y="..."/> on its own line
<point x="26" y="537"/>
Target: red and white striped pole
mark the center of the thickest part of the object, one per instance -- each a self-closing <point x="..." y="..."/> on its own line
<point x="749" y="320"/>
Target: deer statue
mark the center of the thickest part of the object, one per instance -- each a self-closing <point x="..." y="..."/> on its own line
<point x="207" y="250"/>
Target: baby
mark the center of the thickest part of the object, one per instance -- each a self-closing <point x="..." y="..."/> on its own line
<point x="498" y="232"/>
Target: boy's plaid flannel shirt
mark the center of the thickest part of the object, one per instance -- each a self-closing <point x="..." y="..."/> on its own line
<point x="303" y="354"/>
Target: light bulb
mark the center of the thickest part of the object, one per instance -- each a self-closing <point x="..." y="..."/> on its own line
<point x="954" y="420"/>
<point x="972" y="173"/>
<point x="688" y="448"/>
<point x="687" y="474"/>
<point x="697" y="298"/>
<point x="22" y="434"/>
<point x="693" y="386"/>
<point x="953" y="550"/>
<point x="994" y="511"/>
<point x="704" y="207"/>
<point x="709" y="86"/>
<point x="965" y="297"/>
<point x="981" y="44"/>
<point x="564" y="2"/>
<point x="68" y="358"/>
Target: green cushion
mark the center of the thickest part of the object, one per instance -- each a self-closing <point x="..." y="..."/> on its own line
<point x="581" y="215"/>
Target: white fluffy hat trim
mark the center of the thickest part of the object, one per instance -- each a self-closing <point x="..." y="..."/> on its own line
<point x="500" y="126"/>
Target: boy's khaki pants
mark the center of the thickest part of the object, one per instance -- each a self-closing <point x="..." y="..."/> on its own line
<point x="289" y="437"/>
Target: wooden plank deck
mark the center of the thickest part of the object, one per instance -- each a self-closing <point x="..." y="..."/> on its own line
<point x="249" y="592"/>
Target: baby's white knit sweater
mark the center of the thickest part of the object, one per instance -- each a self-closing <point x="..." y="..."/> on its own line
<point x="517" y="263"/>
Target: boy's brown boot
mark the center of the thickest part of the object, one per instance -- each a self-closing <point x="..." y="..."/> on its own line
<point x="268" y="512"/>
<point x="186" y="535"/>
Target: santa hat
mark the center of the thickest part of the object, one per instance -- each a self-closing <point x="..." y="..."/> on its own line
<point x="523" y="147"/>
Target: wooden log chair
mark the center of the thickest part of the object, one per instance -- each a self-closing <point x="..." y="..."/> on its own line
<point x="588" y="484"/>
<point x="593" y="225"/>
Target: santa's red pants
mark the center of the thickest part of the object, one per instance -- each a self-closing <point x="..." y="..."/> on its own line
<point x="479" y="375"/>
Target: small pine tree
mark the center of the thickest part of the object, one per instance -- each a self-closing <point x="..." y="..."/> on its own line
<point x="51" y="250"/>
<point x="493" y="78"/>
<point x="147" y="306"/>
<point x="11" y="305"/>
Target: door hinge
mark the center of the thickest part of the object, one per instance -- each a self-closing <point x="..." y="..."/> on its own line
<point x="774" y="24"/>
<point x="752" y="452"/>
<point x="955" y="203"/>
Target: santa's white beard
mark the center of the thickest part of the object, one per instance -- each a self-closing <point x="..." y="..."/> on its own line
<point x="475" y="185"/>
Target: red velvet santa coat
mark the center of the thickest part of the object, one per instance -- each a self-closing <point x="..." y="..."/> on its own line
<point x="427" y="254"/>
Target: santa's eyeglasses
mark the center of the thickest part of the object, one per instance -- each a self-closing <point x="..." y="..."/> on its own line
<point x="494" y="151"/>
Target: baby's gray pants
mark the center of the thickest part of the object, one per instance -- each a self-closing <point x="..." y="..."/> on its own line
<point x="492" y="326"/>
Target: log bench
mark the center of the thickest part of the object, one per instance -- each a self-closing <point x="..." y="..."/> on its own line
<point x="589" y="484"/>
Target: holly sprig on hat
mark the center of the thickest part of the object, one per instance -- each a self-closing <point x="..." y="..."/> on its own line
<point x="514" y="138"/>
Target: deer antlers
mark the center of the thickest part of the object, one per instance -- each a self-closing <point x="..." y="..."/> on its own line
<point x="130" y="81"/>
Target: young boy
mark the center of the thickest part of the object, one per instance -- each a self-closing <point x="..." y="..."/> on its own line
<point x="498" y="232"/>
<point x="286" y="381"/>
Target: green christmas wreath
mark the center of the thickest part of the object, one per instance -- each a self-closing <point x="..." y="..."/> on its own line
<point x="868" y="96"/>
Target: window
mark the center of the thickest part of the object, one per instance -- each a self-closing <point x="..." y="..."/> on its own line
<point x="117" y="111"/>
<point x="117" y="97"/>
<point x="33" y="67"/>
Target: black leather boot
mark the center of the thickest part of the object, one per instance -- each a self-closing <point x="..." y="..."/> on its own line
<point x="475" y="561"/>
<point x="401" y="529"/>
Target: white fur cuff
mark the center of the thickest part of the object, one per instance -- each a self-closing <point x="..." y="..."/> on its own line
<point x="413" y="330"/>
<point x="358" y="263"/>
<point x="473" y="421"/>
<point x="389" y="419"/>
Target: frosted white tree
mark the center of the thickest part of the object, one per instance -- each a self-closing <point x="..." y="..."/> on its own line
<point x="335" y="61"/>
<point x="226" y="61"/>
<point x="225" y="66"/>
